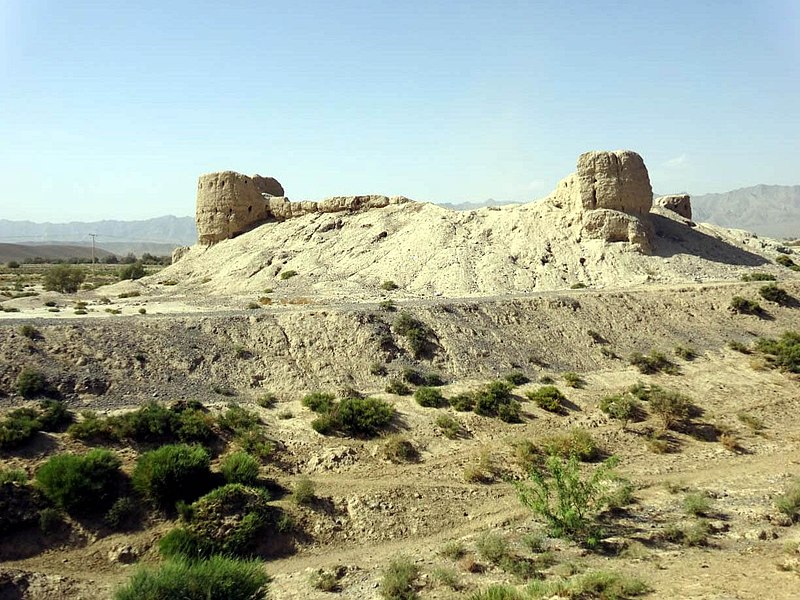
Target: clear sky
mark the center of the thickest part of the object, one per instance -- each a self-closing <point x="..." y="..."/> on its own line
<point x="111" y="109"/>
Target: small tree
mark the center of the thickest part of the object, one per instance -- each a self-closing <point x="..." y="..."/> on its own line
<point x="567" y="502"/>
<point x="131" y="271"/>
<point x="64" y="278"/>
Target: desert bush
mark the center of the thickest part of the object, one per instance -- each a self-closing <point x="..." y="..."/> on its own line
<point x="288" y="274"/>
<point x="29" y="331"/>
<point x="743" y="306"/>
<point x="527" y="455"/>
<point x="789" y="502"/>
<point x="623" y="407"/>
<point x="171" y="473"/>
<point x="256" y="442"/>
<point x="415" y="332"/>
<point x="230" y="519"/>
<point x="655" y="362"/>
<point x="324" y="581"/>
<point x="495" y="400"/>
<point x="546" y="380"/>
<point x="685" y="352"/>
<point x="673" y="408"/>
<point x="602" y="585"/>
<point x="12" y="264"/>
<point x="18" y="428"/>
<point x="692" y="534"/>
<point x="453" y="550"/>
<point x="319" y="402"/>
<point x="53" y="415"/>
<point x="775" y="294"/>
<point x="429" y="397"/>
<point x="446" y="577"/>
<point x="364" y="416"/>
<point x="399" y="449"/>
<point x="80" y="484"/>
<point x="697" y="504"/>
<point x="516" y="378"/>
<point x="450" y="427"/>
<point x="567" y="501"/>
<point x="387" y="305"/>
<point x="498" y="592"/>
<point x="576" y="442"/>
<point x="13" y="476"/>
<point x="758" y="276"/>
<point x="240" y="467"/>
<point x="304" y="490"/>
<point x="123" y="514"/>
<point x="548" y="398"/>
<point x="491" y="547"/>
<point x="237" y="419"/>
<point x="378" y="370"/>
<point x="481" y="469"/>
<point x="751" y="421"/>
<point x="218" y="578"/>
<point x="782" y="353"/>
<point x="63" y="278"/>
<point x="412" y="376"/>
<point x="395" y="386"/>
<point x="398" y="578"/>
<point x="573" y="379"/>
<point x="132" y="271"/>
<point x="787" y="262"/>
<point x="31" y="383"/>
<point x="389" y="285"/>
<point x="463" y="402"/>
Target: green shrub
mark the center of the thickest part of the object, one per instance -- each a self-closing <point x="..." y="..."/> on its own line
<point x="304" y="491"/>
<point x="229" y="520"/>
<point x="743" y="306"/>
<point x="573" y="379"/>
<point x="758" y="277"/>
<point x="399" y="449"/>
<point x="697" y="504"/>
<point x="30" y="332"/>
<point x="548" y="398"/>
<point x="364" y="416"/>
<point x="498" y="592"/>
<point x="398" y="579"/>
<point x="576" y="442"/>
<point x="784" y="352"/>
<point x="447" y="577"/>
<point x="80" y="484"/>
<point x="789" y="502"/>
<point x="31" y="383"/>
<point x="415" y="332"/>
<point x="319" y="402"/>
<point x="240" y="467"/>
<point x="12" y="264"/>
<point x="397" y="387"/>
<point x="124" y="514"/>
<point x="623" y="407"/>
<point x="412" y="376"/>
<point x="567" y="501"/>
<point x="785" y="261"/>
<point x="495" y="400"/>
<point x="387" y="305"/>
<point x="685" y="352"/>
<point x="256" y="442"/>
<point x="63" y="278"/>
<point x="602" y="585"/>
<point x="18" y="428"/>
<point x="673" y="408"/>
<point x="753" y="422"/>
<point x="218" y="578"/>
<point x="429" y="397"/>
<point x="13" y="476"/>
<point x="378" y="369"/>
<point x="50" y="519"/>
<point x="288" y="274"/>
<point x="655" y="362"/>
<point x="453" y="550"/>
<point x="775" y="294"/>
<point x="171" y="473"/>
<point x="463" y="402"/>
<point x="131" y="271"/>
<point x="516" y="378"/>
<point x="324" y="581"/>
<point x="389" y="285"/>
<point x="237" y="419"/>
<point x="450" y="427"/>
<point x="53" y="415"/>
<point x="491" y="547"/>
<point x="527" y="454"/>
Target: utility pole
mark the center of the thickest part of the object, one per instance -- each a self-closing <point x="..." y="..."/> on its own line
<point x="92" y="235"/>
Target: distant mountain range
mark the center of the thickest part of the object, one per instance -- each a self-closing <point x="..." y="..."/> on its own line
<point x="770" y="210"/>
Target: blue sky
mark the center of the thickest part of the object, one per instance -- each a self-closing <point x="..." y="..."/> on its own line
<point x="112" y="109"/>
